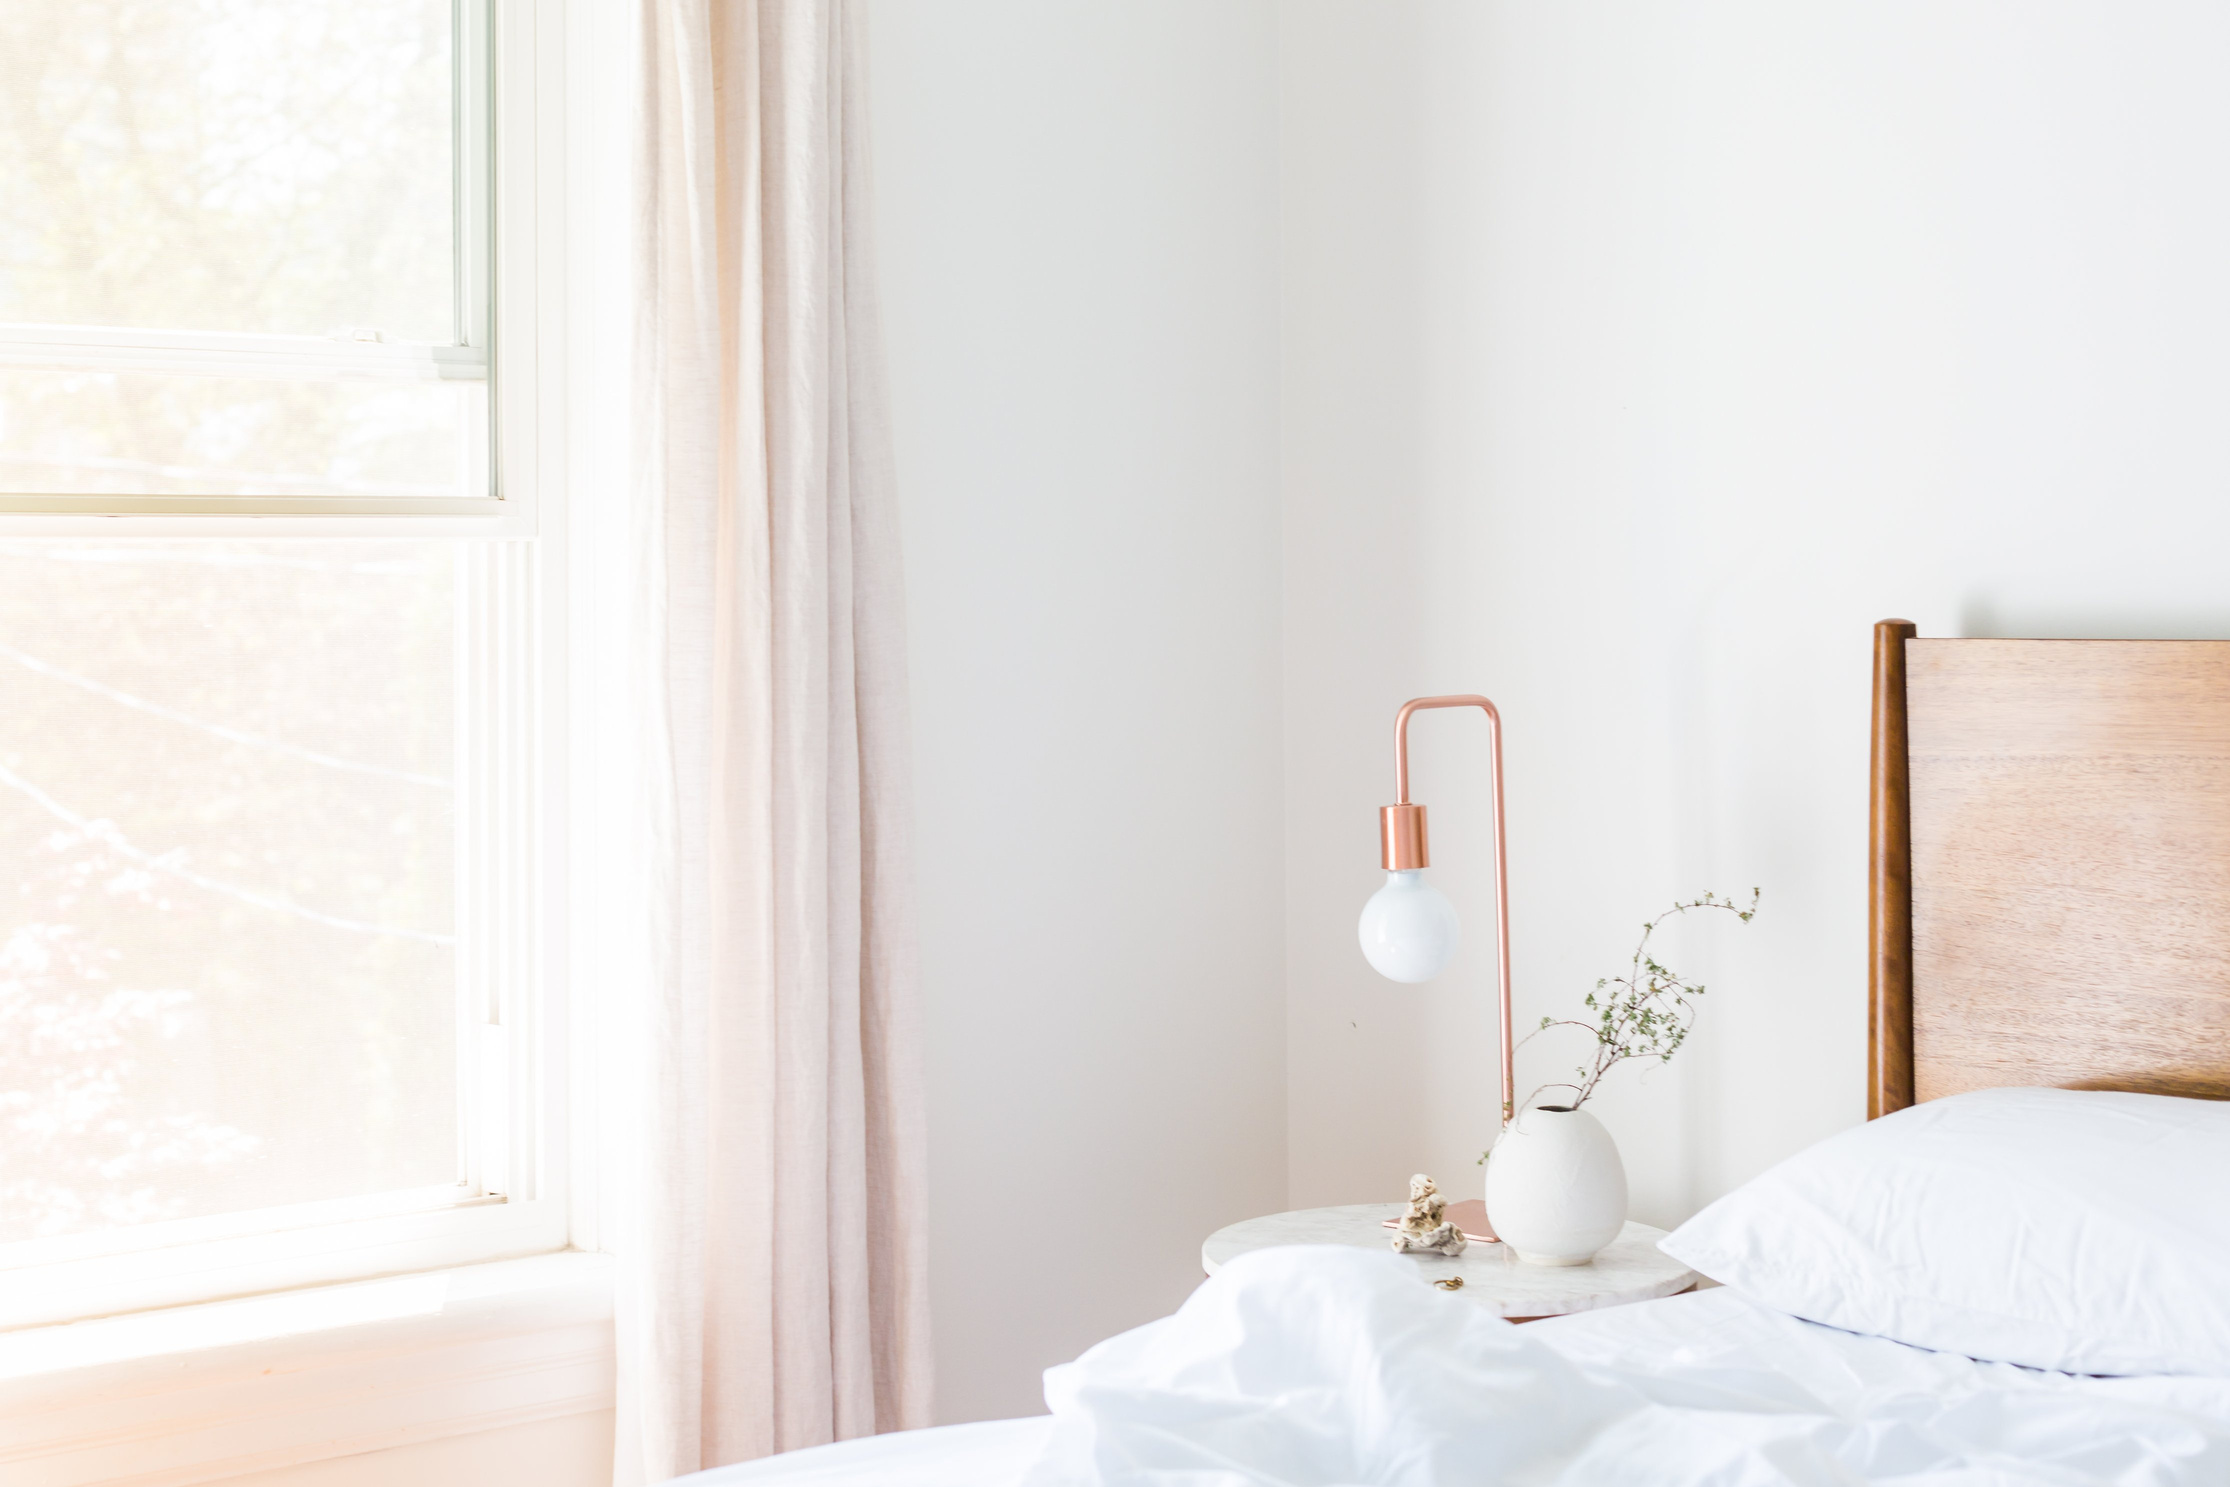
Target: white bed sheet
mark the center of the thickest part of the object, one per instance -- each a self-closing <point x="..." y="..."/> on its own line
<point x="1724" y="1357"/>
<point x="991" y="1453"/>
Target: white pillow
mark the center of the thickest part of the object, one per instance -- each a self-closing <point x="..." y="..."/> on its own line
<point x="2065" y="1229"/>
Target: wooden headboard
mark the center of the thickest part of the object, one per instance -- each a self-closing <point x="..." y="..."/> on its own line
<point x="2050" y="878"/>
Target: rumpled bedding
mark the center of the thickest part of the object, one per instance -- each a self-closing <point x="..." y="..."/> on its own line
<point x="1307" y="1367"/>
<point x="1324" y="1367"/>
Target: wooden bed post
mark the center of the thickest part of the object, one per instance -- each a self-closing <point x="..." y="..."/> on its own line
<point x="1889" y="887"/>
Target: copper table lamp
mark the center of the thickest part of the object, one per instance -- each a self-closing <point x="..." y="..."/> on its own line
<point x="1409" y="930"/>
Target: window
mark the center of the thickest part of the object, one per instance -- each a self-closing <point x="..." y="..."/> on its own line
<point x="227" y="815"/>
<point x="244" y="256"/>
<point x="278" y="673"/>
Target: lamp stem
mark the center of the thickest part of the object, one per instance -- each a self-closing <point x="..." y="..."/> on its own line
<point x="1501" y="862"/>
<point x="1502" y="920"/>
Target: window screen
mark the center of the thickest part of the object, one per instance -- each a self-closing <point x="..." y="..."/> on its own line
<point x="237" y="249"/>
<point x="227" y="977"/>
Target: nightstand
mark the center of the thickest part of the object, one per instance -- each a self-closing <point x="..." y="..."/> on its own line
<point x="1630" y="1268"/>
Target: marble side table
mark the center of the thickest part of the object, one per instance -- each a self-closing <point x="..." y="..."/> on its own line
<point x="1630" y="1268"/>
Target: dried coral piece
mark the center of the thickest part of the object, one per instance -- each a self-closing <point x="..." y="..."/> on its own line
<point x="1424" y="1225"/>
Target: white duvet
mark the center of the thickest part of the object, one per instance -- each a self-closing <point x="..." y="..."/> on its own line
<point x="1338" y="1366"/>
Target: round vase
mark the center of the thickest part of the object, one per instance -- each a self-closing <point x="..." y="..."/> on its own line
<point x="1556" y="1190"/>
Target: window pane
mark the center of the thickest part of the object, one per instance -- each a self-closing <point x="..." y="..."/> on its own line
<point x="141" y="433"/>
<point x="226" y="972"/>
<point x="241" y="165"/>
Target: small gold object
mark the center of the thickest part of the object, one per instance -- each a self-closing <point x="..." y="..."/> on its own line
<point x="1452" y="1283"/>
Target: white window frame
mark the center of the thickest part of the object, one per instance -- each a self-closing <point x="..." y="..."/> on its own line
<point x="521" y="1193"/>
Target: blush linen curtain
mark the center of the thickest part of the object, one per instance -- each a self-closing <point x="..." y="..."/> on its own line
<point x="773" y="1292"/>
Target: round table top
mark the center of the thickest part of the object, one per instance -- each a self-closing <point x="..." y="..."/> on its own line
<point x="1630" y="1268"/>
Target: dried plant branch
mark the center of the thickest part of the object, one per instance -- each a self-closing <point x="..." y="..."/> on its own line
<point x="1646" y="1013"/>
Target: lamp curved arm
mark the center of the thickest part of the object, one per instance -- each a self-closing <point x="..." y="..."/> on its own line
<point x="1399" y="811"/>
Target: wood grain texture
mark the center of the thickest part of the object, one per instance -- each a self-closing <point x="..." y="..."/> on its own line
<point x="2070" y="864"/>
<point x="1889" y="967"/>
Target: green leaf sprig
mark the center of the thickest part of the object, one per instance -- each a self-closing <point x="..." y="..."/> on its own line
<point x="1646" y="1013"/>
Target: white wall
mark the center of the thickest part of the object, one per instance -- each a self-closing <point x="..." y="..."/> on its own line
<point x="1638" y="358"/>
<point x="1077" y="215"/>
<point x="1258" y="366"/>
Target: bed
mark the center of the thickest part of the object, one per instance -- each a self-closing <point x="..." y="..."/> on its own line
<point x="1802" y="1403"/>
<point x="2017" y="1271"/>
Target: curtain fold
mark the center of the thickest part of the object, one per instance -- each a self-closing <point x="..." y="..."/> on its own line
<point x="773" y="1291"/>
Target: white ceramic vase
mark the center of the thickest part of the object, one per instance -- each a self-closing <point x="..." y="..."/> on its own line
<point x="1556" y="1190"/>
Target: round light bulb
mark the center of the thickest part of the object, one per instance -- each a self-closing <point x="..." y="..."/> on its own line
<point x="1409" y="930"/>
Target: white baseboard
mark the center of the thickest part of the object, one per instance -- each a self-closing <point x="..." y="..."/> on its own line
<point x="198" y="1394"/>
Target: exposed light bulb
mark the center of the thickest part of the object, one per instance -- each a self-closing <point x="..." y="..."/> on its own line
<point x="1409" y="930"/>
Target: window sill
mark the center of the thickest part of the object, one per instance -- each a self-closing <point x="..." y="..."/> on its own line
<point x="200" y="1393"/>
